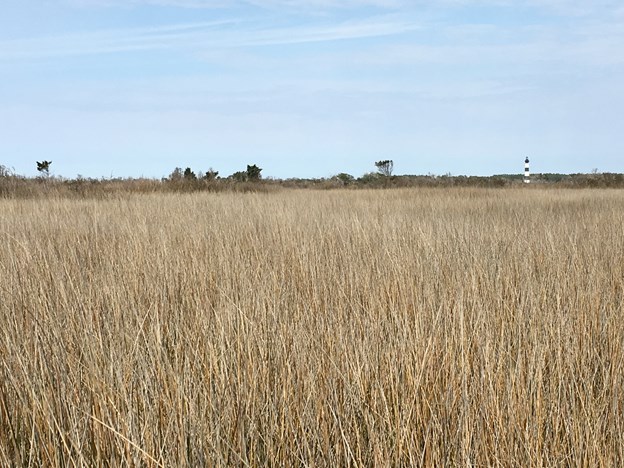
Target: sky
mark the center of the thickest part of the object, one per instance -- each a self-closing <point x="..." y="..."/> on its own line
<point x="311" y="88"/>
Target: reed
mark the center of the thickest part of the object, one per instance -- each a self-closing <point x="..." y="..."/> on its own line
<point x="397" y="327"/>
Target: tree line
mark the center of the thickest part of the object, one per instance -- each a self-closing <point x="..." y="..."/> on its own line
<point x="250" y="179"/>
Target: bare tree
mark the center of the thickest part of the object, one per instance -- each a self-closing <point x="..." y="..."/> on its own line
<point x="385" y="167"/>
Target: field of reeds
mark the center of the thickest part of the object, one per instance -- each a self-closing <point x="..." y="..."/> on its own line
<point x="405" y="327"/>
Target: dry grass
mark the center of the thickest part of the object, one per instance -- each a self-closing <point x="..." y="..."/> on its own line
<point x="400" y="327"/>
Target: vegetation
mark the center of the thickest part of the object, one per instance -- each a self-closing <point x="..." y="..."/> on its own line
<point x="344" y="178"/>
<point x="239" y="176"/>
<point x="189" y="174"/>
<point x="406" y="327"/>
<point x="44" y="167"/>
<point x="13" y="185"/>
<point x="385" y="167"/>
<point x="253" y="172"/>
<point x="211" y="174"/>
<point x="5" y="171"/>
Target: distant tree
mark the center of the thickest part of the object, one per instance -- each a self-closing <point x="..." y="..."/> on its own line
<point x="176" y="175"/>
<point x="345" y="178"/>
<point x="211" y="174"/>
<point x="385" y="167"/>
<point x="240" y="176"/>
<point x="253" y="172"/>
<point x="189" y="174"/>
<point x="44" y="167"/>
<point x="5" y="171"/>
<point x="370" y="178"/>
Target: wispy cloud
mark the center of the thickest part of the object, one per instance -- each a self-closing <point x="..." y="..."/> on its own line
<point x="294" y="4"/>
<point x="104" y="41"/>
<point x="198" y="36"/>
<point x="572" y="7"/>
<point x="134" y="3"/>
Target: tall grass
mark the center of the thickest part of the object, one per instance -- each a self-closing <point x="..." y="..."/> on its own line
<point x="401" y="327"/>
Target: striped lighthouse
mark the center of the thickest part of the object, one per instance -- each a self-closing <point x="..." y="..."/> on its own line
<point x="527" y="174"/>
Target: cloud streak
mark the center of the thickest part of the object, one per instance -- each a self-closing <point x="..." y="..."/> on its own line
<point x="269" y="4"/>
<point x="198" y="36"/>
<point x="564" y="7"/>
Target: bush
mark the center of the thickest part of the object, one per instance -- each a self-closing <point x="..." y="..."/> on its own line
<point x="344" y="178"/>
<point x="253" y="172"/>
<point x="189" y="174"/>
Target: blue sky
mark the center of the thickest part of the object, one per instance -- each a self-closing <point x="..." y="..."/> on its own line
<point x="310" y="88"/>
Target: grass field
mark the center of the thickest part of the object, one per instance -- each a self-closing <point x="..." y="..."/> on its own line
<point x="314" y="328"/>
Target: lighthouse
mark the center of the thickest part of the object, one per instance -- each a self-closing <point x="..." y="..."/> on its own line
<point x="527" y="174"/>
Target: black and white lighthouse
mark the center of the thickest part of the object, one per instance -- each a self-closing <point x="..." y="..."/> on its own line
<point x="527" y="174"/>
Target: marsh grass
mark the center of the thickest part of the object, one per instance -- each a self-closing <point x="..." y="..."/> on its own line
<point x="391" y="328"/>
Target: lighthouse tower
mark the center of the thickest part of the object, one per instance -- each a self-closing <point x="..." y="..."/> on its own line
<point x="527" y="174"/>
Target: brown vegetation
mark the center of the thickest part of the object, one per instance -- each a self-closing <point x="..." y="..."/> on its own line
<point x="398" y="327"/>
<point x="16" y="186"/>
